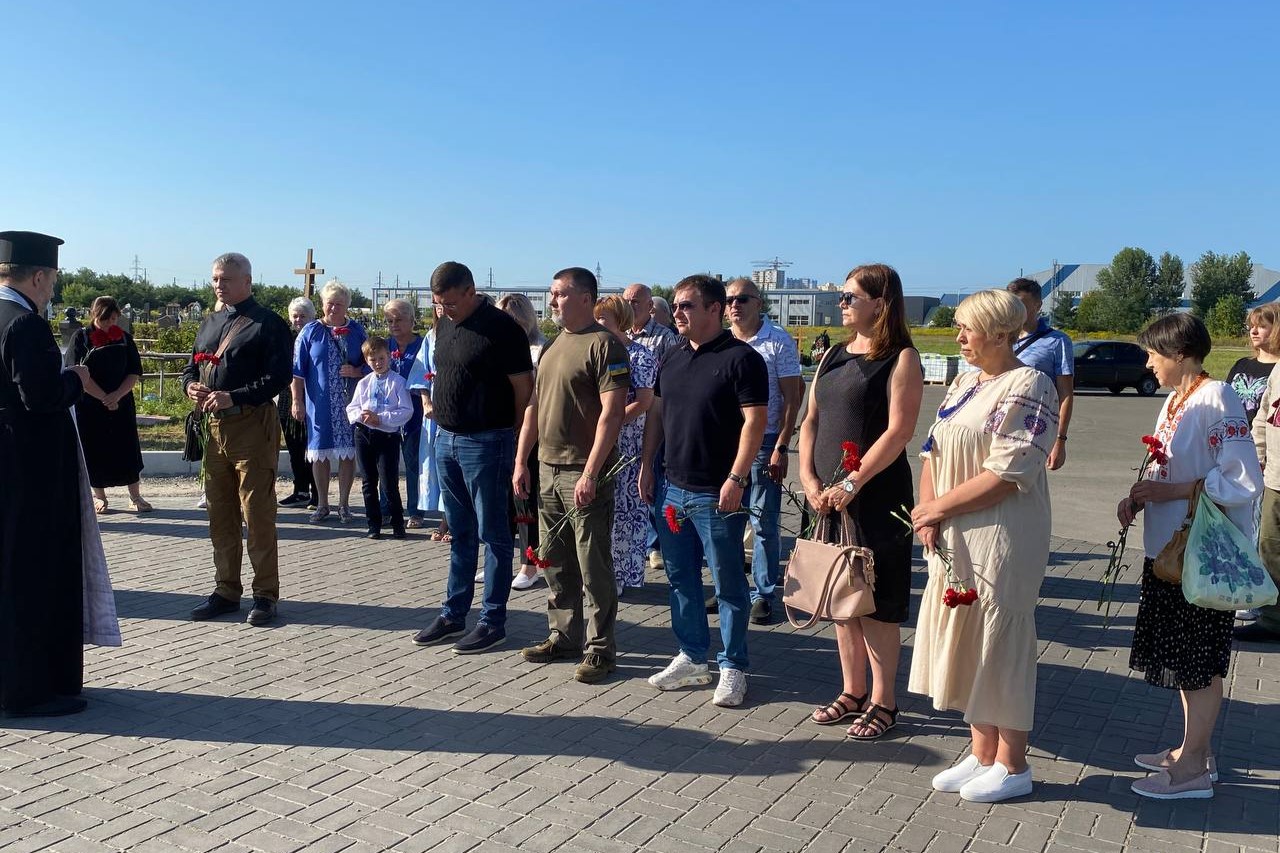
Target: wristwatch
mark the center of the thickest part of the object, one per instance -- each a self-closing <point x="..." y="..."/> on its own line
<point x="1062" y="436"/>
<point x="783" y="449"/>
<point x="849" y="486"/>
<point x="740" y="482"/>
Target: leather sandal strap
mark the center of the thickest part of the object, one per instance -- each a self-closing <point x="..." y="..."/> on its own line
<point x="877" y="717"/>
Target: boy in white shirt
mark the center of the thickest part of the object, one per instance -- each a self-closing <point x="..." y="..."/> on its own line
<point x="380" y="406"/>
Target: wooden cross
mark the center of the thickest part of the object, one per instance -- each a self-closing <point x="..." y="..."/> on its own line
<point x="309" y="273"/>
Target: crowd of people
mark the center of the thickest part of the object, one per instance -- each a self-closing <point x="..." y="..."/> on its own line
<point x="627" y="440"/>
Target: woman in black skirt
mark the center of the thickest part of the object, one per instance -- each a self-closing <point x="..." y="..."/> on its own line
<point x="109" y="427"/>
<point x="1177" y="645"/>
<point x="867" y="391"/>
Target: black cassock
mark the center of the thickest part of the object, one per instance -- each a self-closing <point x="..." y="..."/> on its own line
<point x="112" y="452"/>
<point x="41" y="608"/>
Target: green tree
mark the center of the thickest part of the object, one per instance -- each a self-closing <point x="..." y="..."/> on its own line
<point x="1062" y="314"/>
<point x="1166" y="293"/>
<point x="1126" y="286"/>
<point x="1226" y="318"/>
<point x="943" y="317"/>
<point x="1092" y="313"/>
<point x="665" y="292"/>
<point x="1215" y="276"/>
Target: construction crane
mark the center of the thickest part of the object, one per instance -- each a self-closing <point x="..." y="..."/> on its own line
<point x="777" y="265"/>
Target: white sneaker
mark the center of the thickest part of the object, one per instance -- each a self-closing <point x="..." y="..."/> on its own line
<point x="683" y="671"/>
<point x="731" y="690"/>
<point x="997" y="784"/>
<point x="1250" y="615"/>
<point x="480" y="575"/>
<point x="521" y="580"/>
<point x="954" y="778"/>
<point x="203" y="503"/>
<point x="656" y="563"/>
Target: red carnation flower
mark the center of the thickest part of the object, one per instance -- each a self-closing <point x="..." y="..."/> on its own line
<point x="395" y="353"/>
<point x="342" y="331"/>
<point x="429" y="376"/>
<point x="673" y="520"/>
<point x="524" y="519"/>
<point x="852" y="459"/>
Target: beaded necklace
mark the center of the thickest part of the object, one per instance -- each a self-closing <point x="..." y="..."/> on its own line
<point x="1179" y="402"/>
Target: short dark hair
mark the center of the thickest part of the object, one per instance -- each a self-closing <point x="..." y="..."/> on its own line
<point x="709" y="289"/>
<point x="1020" y="286"/>
<point x="1177" y="334"/>
<point x="582" y="280"/>
<point x="451" y="275"/>
<point x="103" y="307"/>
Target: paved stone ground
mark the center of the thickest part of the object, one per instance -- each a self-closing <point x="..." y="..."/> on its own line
<point x="330" y="731"/>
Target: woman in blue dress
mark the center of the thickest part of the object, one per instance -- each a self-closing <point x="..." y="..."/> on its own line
<point x="327" y="362"/>
<point x="420" y="379"/>
<point x="630" y="514"/>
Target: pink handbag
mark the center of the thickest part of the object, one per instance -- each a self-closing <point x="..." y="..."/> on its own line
<point x="829" y="582"/>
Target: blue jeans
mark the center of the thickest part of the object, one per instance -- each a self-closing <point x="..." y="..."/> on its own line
<point x="475" y="479"/>
<point x="659" y="483"/>
<point x="765" y="499"/>
<point x="412" y="470"/>
<point x="704" y="529"/>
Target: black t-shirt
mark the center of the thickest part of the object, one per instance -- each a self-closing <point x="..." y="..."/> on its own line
<point x="703" y="394"/>
<point x="1248" y="378"/>
<point x="471" y="391"/>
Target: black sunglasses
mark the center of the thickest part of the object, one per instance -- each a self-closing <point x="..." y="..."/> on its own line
<point x="740" y="299"/>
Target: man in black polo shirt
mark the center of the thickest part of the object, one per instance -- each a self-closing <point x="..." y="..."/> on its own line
<point x="484" y="377"/>
<point x="710" y="406"/>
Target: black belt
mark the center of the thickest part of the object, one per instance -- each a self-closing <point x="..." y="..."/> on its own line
<point x="232" y="410"/>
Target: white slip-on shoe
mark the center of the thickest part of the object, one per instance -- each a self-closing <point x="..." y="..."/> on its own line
<point x="731" y="689"/>
<point x="521" y="580"/>
<point x="1157" y="761"/>
<point x="996" y="785"/>
<point x="952" y="779"/>
<point x="683" y="671"/>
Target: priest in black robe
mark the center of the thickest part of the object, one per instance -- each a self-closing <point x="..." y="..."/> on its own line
<point x="41" y="571"/>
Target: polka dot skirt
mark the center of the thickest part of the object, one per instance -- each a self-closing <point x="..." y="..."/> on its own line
<point x="1177" y="645"/>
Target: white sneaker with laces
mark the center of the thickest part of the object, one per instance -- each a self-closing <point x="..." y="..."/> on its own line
<point x="997" y="785"/>
<point x="683" y="671"/>
<point x="953" y="779"/>
<point x="731" y="689"/>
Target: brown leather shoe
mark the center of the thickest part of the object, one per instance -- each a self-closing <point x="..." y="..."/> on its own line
<point x="593" y="668"/>
<point x="547" y="651"/>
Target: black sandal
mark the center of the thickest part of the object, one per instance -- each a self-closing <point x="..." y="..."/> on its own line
<point x="839" y="707"/>
<point x="877" y="718"/>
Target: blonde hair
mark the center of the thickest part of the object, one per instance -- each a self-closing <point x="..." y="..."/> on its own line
<point x="373" y="344"/>
<point x="993" y="312"/>
<point x="333" y="288"/>
<point x="1269" y="314"/>
<point x="521" y="310"/>
<point x="618" y="309"/>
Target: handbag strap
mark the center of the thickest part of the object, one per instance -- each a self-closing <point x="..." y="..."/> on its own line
<point x="1194" y="500"/>
<point x="834" y="576"/>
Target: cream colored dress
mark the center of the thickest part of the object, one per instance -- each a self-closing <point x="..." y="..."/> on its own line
<point x="981" y="658"/>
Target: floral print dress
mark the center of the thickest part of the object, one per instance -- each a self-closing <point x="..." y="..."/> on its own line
<point x="630" y="514"/>
<point x="318" y="355"/>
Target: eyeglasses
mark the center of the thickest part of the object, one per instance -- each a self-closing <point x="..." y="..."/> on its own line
<point x="740" y="299"/>
<point x="684" y="306"/>
<point x="851" y="298"/>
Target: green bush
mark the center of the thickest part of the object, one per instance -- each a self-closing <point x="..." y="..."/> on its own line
<point x="1226" y="318"/>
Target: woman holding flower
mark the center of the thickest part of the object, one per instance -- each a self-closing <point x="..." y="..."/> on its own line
<point x="1203" y="435"/>
<point x="864" y="400"/>
<point x="108" y="427"/>
<point x="326" y="364"/>
<point x="984" y="519"/>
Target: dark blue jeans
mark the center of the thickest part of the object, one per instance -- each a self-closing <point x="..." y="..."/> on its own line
<point x="475" y="483"/>
<point x="704" y="529"/>
<point x="412" y="470"/>
<point x="765" y="499"/>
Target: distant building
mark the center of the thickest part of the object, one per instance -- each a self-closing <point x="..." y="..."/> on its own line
<point x="1079" y="279"/>
<point x="769" y="279"/>
<point x="919" y="308"/>
<point x="802" y="283"/>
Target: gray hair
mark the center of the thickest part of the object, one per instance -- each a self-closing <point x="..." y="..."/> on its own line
<point x="234" y="262"/>
<point x="401" y="306"/>
<point x="521" y="309"/>
<point x="333" y="288"/>
<point x="662" y="303"/>
<point x="304" y="305"/>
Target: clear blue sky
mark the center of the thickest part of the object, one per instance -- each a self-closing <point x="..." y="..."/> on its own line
<point x="959" y="142"/>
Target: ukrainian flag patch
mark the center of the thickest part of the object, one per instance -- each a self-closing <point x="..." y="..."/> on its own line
<point x="616" y="370"/>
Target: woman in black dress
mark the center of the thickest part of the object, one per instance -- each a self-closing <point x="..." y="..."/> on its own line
<point x="867" y="391"/>
<point x="108" y="427"/>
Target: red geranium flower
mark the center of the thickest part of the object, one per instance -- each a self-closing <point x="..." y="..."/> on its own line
<point x="673" y="519"/>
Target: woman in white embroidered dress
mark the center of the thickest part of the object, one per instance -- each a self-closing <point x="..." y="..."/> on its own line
<point x="1177" y="645"/>
<point x="984" y="507"/>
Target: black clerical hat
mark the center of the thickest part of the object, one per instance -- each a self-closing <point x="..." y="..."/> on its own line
<point x="29" y="249"/>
